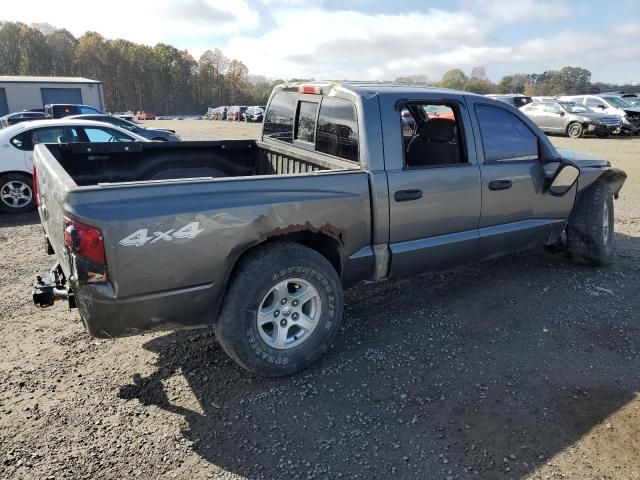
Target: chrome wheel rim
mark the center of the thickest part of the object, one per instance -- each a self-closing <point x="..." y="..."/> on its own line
<point x="606" y="226"/>
<point x="288" y="314"/>
<point x="16" y="194"/>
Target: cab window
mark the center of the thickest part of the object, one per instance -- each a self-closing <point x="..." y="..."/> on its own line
<point x="306" y="123"/>
<point x="278" y="123"/>
<point x="504" y="136"/>
<point x="431" y="135"/>
<point x="337" y="131"/>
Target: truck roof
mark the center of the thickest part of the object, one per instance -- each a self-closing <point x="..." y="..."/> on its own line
<point x="362" y="88"/>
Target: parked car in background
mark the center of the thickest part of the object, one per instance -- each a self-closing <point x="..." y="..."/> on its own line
<point x="125" y="115"/>
<point x="141" y="115"/>
<point x="155" y="134"/>
<point x="516" y="100"/>
<point x="254" y="114"/>
<point x="611" y="105"/>
<point x="61" y="110"/>
<point x="218" y="113"/>
<point x="572" y="119"/>
<point x="235" y="112"/>
<point x="544" y="99"/>
<point x="259" y="238"/>
<point x="19" y="117"/>
<point x="16" y="157"/>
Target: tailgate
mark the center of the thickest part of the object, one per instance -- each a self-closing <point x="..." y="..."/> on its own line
<point x="53" y="185"/>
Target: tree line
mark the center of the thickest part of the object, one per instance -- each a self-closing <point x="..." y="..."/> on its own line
<point x="566" y="81"/>
<point x="161" y="79"/>
<point x="166" y="80"/>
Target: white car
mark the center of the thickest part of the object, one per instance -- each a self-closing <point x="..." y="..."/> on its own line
<point x="16" y="153"/>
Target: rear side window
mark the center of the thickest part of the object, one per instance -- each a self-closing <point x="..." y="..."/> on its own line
<point x="505" y="137"/>
<point x="278" y="123"/>
<point x="337" y="132"/>
<point x="306" y="123"/>
<point x="96" y="134"/>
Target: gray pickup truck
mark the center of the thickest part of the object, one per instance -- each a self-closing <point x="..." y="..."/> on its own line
<point x="259" y="238"/>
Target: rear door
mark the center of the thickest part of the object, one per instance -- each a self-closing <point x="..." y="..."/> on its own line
<point x="517" y="211"/>
<point x="434" y="183"/>
<point x="555" y="116"/>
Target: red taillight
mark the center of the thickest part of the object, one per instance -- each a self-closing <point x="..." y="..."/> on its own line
<point x="35" y="186"/>
<point x="87" y="246"/>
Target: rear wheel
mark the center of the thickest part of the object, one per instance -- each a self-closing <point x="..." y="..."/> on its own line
<point x="282" y="309"/>
<point x="575" y="130"/>
<point x="16" y="193"/>
<point x="590" y="232"/>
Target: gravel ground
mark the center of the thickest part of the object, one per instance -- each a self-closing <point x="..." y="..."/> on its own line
<point x="526" y="367"/>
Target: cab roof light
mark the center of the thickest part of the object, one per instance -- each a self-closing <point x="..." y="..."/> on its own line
<point x="312" y="89"/>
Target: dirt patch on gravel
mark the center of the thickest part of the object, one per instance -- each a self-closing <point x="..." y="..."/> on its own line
<point x="527" y="367"/>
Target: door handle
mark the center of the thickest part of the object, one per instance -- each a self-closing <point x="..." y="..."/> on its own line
<point x="407" y="195"/>
<point x="500" y="185"/>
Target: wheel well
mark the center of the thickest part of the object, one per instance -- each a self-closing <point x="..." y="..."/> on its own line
<point x="322" y="243"/>
<point x="16" y="172"/>
<point x="325" y="245"/>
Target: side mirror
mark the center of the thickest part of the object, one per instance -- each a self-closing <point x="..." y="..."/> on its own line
<point x="564" y="179"/>
<point x="602" y="107"/>
<point x="561" y="114"/>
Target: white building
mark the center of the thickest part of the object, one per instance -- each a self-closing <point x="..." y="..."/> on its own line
<point x="24" y="93"/>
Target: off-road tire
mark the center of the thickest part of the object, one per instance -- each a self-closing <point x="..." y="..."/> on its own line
<point x="587" y="239"/>
<point x="236" y="328"/>
<point x="575" y="130"/>
<point x="18" y="178"/>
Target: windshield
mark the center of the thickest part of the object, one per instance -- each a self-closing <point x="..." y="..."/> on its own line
<point x="572" y="107"/>
<point x="616" y="102"/>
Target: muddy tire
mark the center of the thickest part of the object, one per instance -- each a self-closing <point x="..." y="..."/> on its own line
<point x="590" y="232"/>
<point x="575" y="130"/>
<point x="282" y="309"/>
<point x="16" y="193"/>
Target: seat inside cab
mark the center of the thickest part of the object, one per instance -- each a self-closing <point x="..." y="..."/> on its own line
<point x="431" y="135"/>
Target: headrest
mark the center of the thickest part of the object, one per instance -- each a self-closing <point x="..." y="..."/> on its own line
<point x="438" y="130"/>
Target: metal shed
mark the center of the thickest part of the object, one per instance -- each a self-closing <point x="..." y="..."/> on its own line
<point x="24" y="93"/>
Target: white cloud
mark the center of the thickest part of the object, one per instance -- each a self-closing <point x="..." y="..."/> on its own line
<point x="144" y="21"/>
<point x="349" y="44"/>
<point x="327" y="44"/>
<point x="520" y="11"/>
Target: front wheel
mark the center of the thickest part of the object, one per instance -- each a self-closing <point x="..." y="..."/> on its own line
<point x="590" y="232"/>
<point x="282" y="309"/>
<point x="575" y="130"/>
<point x="16" y="193"/>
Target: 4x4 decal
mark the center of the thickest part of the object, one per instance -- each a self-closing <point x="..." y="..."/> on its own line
<point x="141" y="237"/>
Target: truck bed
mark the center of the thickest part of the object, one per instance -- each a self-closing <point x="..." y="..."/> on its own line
<point x="94" y="164"/>
<point x="175" y="218"/>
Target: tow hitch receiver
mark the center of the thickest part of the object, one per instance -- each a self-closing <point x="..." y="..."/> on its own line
<point x="51" y="287"/>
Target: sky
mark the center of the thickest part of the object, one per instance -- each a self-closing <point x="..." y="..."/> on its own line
<point x="370" y="39"/>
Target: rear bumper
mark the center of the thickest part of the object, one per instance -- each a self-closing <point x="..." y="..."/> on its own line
<point x="104" y="316"/>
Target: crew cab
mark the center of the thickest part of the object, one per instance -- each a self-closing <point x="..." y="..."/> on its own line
<point x="259" y="238"/>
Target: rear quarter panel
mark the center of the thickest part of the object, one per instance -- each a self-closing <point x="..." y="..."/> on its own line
<point x="232" y="215"/>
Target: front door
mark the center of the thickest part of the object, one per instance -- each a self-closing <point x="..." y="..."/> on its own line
<point x="434" y="186"/>
<point x="517" y="211"/>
